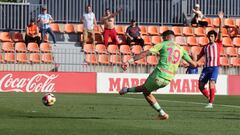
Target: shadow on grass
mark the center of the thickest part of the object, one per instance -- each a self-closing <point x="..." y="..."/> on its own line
<point x="62" y="117"/>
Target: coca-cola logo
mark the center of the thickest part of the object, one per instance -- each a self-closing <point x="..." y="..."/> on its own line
<point x="36" y="83"/>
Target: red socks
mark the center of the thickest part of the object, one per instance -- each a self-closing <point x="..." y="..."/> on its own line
<point x="212" y="95"/>
<point x="205" y="93"/>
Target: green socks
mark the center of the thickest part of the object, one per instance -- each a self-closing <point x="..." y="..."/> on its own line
<point x="157" y="107"/>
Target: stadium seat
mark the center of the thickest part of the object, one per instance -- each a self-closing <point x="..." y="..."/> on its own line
<point x="1" y="58"/>
<point x="35" y="58"/>
<point x="103" y="59"/>
<point x="88" y="48"/>
<point x="33" y="47"/>
<point x="22" y="58"/>
<point x="177" y="30"/>
<point x="115" y="59"/>
<point x="235" y="62"/>
<point x="17" y="37"/>
<point x="231" y="51"/>
<point x="119" y="29"/>
<point x="136" y="49"/>
<point x="80" y="28"/>
<point x="98" y="39"/>
<point x="143" y="29"/>
<point x="69" y="28"/>
<point x="187" y="31"/>
<point x="196" y="49"/>
<point x="147" y="40"/>
<point x="163" y="29"/>
<point x="20" y="47"/>
<point x="209" y="29"/>
<point x="203" y="41"/>
<point x="91" y="58"/>
<point x="236" y="41"/>
<point x="142" y="61"/>
<point x="55" y="27"/>
<point x="225" y="32"/>
<point x="209" y="22"/>
<point x="152" y="60"/>
<point x="192" y="41"/>
<point x="125" y="58"/>
<point x="125" y="49"/>
<point x="97" y="30"/>
<point x="101" y="48"/>
<point x="237" y="22"/>
<point x="153" y="30"/>
<point x="7" y="47"/>
<point x="9" y="57"/>
<point x="45" y="47"/>
<point x="229" y="22"/>
<point x="5" y="37"/>
<point x="180" y="40"/>
<point x="224" y="61"/>
<point x="199" y="31"/>
<point x="156" y="40"/>
<point x="216" y="22"/>
<point x="113" y="49"/>
<point x="186" y="48"/>
<point x="147" y="47"/>
<point x="227" y="41"/>
<point x="222" y="52"/>
<point x="47" y="58"/>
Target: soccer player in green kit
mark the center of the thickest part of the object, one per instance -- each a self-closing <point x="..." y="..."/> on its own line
<point x="170" y="55"/>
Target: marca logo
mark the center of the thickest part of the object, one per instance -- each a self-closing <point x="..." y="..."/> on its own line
<point x="184" y="86"/>
<point x="36" y="83"/>
<point x="118" y="83"/>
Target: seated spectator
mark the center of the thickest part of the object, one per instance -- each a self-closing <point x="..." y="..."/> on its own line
<point x="198" y="17"/>
<point x="233" y="32"/>
<point x="32" y="33"/>
<point x="133" y="34"/>
<point x="192" y="70"/>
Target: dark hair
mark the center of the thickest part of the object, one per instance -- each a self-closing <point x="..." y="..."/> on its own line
<point x="107" y="9"/>
<point x="167" y="32"/>
<point x="32" y="20"/>
<point x="212" y="32"/>
<point x="133" y="20"/>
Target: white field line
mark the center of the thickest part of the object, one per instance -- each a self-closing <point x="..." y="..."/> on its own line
<point x="184" y="102"/>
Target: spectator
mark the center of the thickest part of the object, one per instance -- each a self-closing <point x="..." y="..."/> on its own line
<point x="109" y="30"/>
<point x="190" y="69"/>
<point x="44" y="20"/>
<point x="233" y="32"/>
<point x="89" y="20"/>
<point x="133" y="34"/>
<point x="32" y="33"/>
<point x="198" y="17"/>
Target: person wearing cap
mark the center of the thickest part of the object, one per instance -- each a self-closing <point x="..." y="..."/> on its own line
<point x="32" y="33"/>
<point x="198" y="17"/>
<point x="170" y="56"/>
<point x="133" y="34"/>
<point x="44" y="20"/>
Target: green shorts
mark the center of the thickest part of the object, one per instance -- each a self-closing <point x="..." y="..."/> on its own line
<point x="155" y="82"/>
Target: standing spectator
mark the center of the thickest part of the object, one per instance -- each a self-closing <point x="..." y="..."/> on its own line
<point x="133" y="34"/>
<point x="44" y="20"/>
<point x="89" y="20"/>
<point x="198" y="17"/>
<point x="109" y="30"/>
<point x="32" y="33"/>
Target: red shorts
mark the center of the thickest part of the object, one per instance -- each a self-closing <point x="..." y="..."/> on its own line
<point x="110" y="33"/>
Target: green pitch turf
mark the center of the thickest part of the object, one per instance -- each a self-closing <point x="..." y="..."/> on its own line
<point x="110" y="114"/>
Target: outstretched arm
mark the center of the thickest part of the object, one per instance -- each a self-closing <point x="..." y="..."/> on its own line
<point x="112" y="15"/>
<point x="220" y="16"/>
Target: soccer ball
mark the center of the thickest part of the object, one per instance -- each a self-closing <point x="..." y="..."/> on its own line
<point x="49" y="99"/>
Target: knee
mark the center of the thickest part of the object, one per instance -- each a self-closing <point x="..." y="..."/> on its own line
<point x="201" y="86"/>
<point x="212" y="85"/>
<point x="145" y="91"/>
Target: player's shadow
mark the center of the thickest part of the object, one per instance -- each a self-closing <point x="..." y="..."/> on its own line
<point x="64" y="117"/>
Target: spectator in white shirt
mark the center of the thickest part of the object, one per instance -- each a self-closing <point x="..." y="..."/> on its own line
<point x="198" y="17"/>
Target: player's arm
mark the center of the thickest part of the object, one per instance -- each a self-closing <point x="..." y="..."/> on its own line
<point x="187" y="58"/>
<point x="220" y="16"/>
<point x="200" y="55"/>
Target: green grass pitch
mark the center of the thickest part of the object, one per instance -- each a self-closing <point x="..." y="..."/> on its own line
<point x="111" y="114"/>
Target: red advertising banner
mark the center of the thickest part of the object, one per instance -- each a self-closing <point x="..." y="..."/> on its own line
<point x="233" y="85"/>
<point x="60" y="82"/>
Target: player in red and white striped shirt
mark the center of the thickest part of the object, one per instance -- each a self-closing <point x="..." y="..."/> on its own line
<point x="212" y="61"/>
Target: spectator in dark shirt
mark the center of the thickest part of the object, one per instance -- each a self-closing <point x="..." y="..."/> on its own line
<point x="133" y="34"/>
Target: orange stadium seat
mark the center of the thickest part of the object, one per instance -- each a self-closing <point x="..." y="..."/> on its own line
<point x="119" y="29"/>
<point x="229" y="22"/>
<point x="156" y="40"/>
<point x="113" y="49"/>
<point x="22" y="58"/>
<point x="177" y="30"/>
<point x="181" y="40"/>
<point x="125" y="49"/>
<point x="45" y="47"/>
<point x="136" y="49"/>
<point x="235" y="62"/>
<point x="115" y="59"/>
<point x="186" y="48"/>
<point x="187" y="31"/>
<point x="199" y="31"/>
<point x="125" y="58"/>
<point x="103" y="59"/>
<point x="152" y="60"/>
<point x="35" y="58"/>
<point x="209" y="29"/>
<point x="1" y="58"/>
<point x="143" y="29"/>
<point x="47" y="58"/>
<point x="17" y="37"/>
<point x="227" y="41"/>
<point x="69" y="28"/>
<point x="216" y="22"/>
<point x="9" y="57"/>
<point x="209" y="22"/>
<point x="33" y="47"/>
<point x="237" y="22"/>
<point x="222" y="52"/>
<point x="142" y="61"/>
<point x="20" y="47"/>
<point x="147" y="40"/>
<point x="192" y="41"/>
<point x="225" y="32"/>
<point x="153" y="30"/>
<point x="97" y="29"/>
<point x="236" y="41"/>
<point x="7" y="47"/>
<point x="55" y="27"/>
<point x="196" y="49"/>
<point x="231" y="51"/>
<point x="201" y="61"/>
<point x="5" y="37"/>
<point x="163" y="29"/>
<point x="80" y="28"/>
<point x="203" y="41"/>
<point x="224" y="61"/>
<point x="98" y="39"/>
<point x="147" y="47"/>
<point x="101" y="48"/>
<point x="88" y="48"/>
<point x="91" y="58"/>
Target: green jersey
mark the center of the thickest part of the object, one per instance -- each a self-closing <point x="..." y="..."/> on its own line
<point x="170" y="57"/>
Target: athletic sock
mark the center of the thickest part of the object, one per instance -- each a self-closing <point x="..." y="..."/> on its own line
<point x="205" y="93"/>
<point x="212" y="95"/>
<point x="158" y="108"/>
<point x="133" y="89"/>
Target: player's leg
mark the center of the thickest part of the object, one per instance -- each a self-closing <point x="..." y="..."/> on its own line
<point x="203" y="79"/>
<point x="212" y="85"/>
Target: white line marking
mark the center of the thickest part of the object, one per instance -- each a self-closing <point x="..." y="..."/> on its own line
<point x="184" y="102"/>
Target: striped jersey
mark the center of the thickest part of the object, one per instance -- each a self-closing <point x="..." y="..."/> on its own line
<point x="212" y="54"/>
